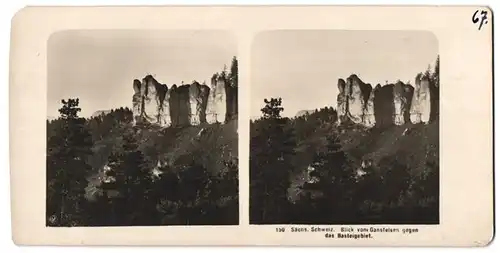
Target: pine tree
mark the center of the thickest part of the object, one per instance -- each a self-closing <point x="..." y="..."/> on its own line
<point x="428" y="72"/>
<point x="233" y="88"/>
<point x="233" y="75"/>
<point x="434" y="89"/>
<point x="272" y="109"/>
<point x="67" y="169"/>
<point x="223" y="195"/>
<point x="213" y="80"/>
<point x="334" y="181"/>
<point x="134" y="205"/>
<point x="436" y="72"/>
<point x="272" y="147"/>
<point x="185" y="194"/>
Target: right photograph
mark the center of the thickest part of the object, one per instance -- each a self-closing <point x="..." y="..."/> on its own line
<point x="344" y="127"/>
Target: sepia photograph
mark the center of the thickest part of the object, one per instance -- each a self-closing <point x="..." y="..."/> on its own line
<point x="344" y="127"/>
<point x="248" y="126"/>
<point x="142" y="128"/>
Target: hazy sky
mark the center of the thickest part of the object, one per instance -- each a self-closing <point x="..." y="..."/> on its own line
<point x="99" y="66"/>
<point x="302" y="67"/>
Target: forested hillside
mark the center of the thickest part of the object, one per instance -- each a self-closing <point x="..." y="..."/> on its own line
<point x="104" y="171"/>
<point x="311" y="169"/>
<point x="308" y="170"/>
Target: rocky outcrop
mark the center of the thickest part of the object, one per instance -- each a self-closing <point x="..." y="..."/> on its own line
<point x="187" y="104"/>
<point x="198" y="99"/>
<point x="164" y="118"/>
<point x="341" y="101"/>
<point x="391" y="104"/>
<point x="352" y="99"/>
<point x="369" y="110"/>
<point x="217" y="100"/>
<point x="384" y="105"/>
<point x="420" y="110"/>
<point x="403" y="94"/>
<point x="182" y="105"/>
<point x="357" y="96"/>
<point x="137" y="100"/>
<point x="204" y="93"/>
<point x="147" y="101"/>
<point x="150" y="87"/>
<point x="173" y="104"/>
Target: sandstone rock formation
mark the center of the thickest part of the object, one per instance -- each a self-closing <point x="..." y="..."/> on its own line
<point x="384" y="105"/>
<point x="189" y="104"/>
<point x="403" y="94"/>
<point x="147" y="101"/>
<point x="352" y="99"/>
<point x="204" y="93"/>
<point x="369" y="110"/>
<point x="150" y="101"/>
<point x="420" y="110"/>
<point x="183" y="105"/>
<point x="137" y="100"/>
<point x="164" y="107"/>
<point x="173" y="104"/>
<point x="198" y="99"/>
<point x="391" y="104"/>
<point x="217" y="101"/>
<point x="341" y="100"/>
<point x="358" y="94"/>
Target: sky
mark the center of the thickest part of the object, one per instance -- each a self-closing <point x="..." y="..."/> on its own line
<point x="99" y="66"/>
<point x="303" y="67"/>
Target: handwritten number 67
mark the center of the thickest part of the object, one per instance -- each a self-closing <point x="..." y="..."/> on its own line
<point x="483" y="18"/>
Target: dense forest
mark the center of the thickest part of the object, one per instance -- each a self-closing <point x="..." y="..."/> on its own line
<point x="310" y="170"/>
<point x="106" y="171"/>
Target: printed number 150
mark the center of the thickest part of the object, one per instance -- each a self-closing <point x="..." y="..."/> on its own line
<point x="280" y="230"/>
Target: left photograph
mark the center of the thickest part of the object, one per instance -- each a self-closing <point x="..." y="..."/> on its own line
<point x="142" y="128"/>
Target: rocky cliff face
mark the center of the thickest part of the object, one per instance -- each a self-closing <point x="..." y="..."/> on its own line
<point x="189" y="104"/>
<point x="137" y="100"/>
<point x="198" y="99"/>
<point x="391" y="104"/>
<point x="164" y="109"/>
<point x="369" y="110"/>
<point x="147" y="101"/>
<point x="217" y="100"/>
<point x="151" y="102"/>
<point x="358" y="94"/>
<point x="420" y="110"/>
<point x="352" y="99"/>
<point x="341" y="100"/>
<point x="384" y="105"/>
<point x="403" y="94"/>
<point x="204" y="93"/>
<point x="183" y="106"/>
